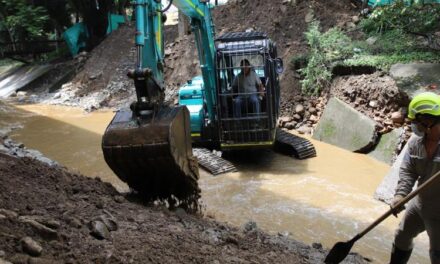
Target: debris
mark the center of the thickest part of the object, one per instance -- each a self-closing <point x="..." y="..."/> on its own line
<point x="31" y="247"/>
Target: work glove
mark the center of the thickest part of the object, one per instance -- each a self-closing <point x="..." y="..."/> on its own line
<point x="397" y="198"/>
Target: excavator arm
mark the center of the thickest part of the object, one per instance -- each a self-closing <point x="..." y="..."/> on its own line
<point x="149" y="146"/>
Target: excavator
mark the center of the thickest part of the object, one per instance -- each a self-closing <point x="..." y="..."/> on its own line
<point x="150" y="146"/>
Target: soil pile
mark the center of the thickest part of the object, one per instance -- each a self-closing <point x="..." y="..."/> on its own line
<point x="375" y="95"/>
<point x="48" y="215"/>
<point x="104" y="60"/>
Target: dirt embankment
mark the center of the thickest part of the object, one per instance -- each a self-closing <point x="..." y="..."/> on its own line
<point x="48" y="215"/>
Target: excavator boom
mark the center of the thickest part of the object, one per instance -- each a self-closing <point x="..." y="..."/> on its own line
<point x="149" y="146"/>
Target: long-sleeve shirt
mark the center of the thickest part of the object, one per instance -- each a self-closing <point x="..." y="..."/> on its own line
<point x="417" y="167"/>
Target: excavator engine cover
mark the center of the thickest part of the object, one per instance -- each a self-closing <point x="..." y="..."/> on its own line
<point x="153" y="153"/>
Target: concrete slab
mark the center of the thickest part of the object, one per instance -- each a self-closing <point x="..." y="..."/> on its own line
<point x="385" y="190"/>
<point x="414" y="78"/>
<point x="21" y="78"/>
<point x="342" y="126"/>
<point x="385" y="149"/>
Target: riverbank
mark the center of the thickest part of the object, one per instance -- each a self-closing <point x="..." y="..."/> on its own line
<point x="49" y="215"/>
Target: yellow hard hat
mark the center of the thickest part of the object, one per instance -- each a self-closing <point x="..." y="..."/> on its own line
<point x="424" y="103"/>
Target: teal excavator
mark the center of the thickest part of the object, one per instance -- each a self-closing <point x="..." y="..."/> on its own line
<point x="150" y="146"/>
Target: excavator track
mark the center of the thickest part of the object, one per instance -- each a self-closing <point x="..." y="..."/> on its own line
<point x="293" y="145"/>
<point x="153" y="155"/>
<point x="213" y="163"/>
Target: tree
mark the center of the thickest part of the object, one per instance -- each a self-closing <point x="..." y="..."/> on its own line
<point x="22" y="21"/>
<point x="59" y="14"/>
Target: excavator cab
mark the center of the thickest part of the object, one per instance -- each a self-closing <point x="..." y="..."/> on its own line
<point x="248" y="89"/>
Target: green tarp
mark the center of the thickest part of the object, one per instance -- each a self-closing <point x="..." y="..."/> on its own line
<point x="387" y="2"/>
<point x="76" y="36"/>
<point x="114" y="21"/>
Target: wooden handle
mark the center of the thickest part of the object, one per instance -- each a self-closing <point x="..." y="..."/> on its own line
<point x="399" y="204"/>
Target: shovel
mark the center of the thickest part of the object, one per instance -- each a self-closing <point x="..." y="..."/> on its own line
<point x="341" y="249"/>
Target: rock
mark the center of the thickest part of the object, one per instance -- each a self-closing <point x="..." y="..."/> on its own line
<point x="74" y="222"/>
<point x="168" y="52"/>
<point x="2" y="254"/>
<point x="109" y="223"/>
<point x="31" y="247"/>
<point x="304" y="130"/>
<point x="249" y="226"/>
<point x="290" y="125"/>
<point x="373" y="104"/>
<point x="44" y="231"/>
<point x="309" y="16"/>
<point x="306" y="114"/>
<point x="355" y="19"/>
<point x="385" y="190"/>
<point x="386" y="148"/>
<point x="371" y="40"/>
<point x="119" y="198"/>
<point x="388" y="122"/>
<point x="397" y="117"/>
<point x="99" y="230"/>
<point x="8" y="213"/>
<point x="317" y="245"/>
<point x="284" y="119"/>
<point x="351" y="25"/>
<point x="21" y="94"/>
<point x="180" y="212"/>
<point x="51" y="223"/>
<point x="14" y="94"/>
<point x="343" y="126"/>
<point x="299" y="109"/>
<point x="313" y="118"/>
<point x="312" y="110"/>
<point x="297" y="117"/>
<point x="378" y="119"/>
<point x="414" y="78"/>
<point x="95" y="76"/>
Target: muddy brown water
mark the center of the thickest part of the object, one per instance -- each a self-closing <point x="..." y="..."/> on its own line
<point x="325" y="199"/>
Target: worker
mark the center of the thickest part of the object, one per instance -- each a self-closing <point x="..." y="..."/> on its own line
<point x="420" y="162"/>
<point x="246" y="84"/>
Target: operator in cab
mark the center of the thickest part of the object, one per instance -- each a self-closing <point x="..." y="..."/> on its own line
<point x="246" y="84"/>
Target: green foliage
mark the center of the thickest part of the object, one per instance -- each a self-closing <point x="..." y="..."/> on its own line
<point x="420" y="18"/>
<point x="386" y="43"/>
<point x="21" y="20"/>
<point x="385" y="61"/>
<point x="299" y="61"/>
<point x="325" y="48"/>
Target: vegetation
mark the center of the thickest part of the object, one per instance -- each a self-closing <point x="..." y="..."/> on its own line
<point x="22" y="21"/>
<point x="325" y="48"/>
<point x="25" y="21"/>
<point x="414" y="27"/>
<point x="415" y="18"/>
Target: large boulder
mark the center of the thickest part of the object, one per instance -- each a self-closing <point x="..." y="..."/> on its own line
<point x="414" y="78"/>
<point x="343" y="126"/>
<point x="385" y="149"/>
<point x="385" y="190"/>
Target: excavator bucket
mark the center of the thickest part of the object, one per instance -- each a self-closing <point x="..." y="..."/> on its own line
<point x="153" y="154"/>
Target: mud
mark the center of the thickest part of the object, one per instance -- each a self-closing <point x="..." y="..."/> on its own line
<point x="74" y="219"/>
